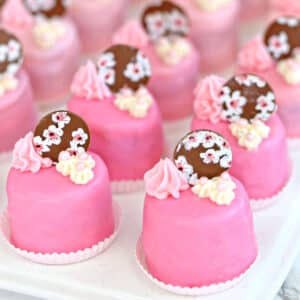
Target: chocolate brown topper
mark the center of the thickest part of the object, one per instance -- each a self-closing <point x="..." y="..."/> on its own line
<point x="207" y="152"/>
<point x="59" y="131"/>
<point x="37" y="7"/>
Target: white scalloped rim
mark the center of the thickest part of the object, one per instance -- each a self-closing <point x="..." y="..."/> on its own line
<point x="187" y="291"/>
<point x="63" y="258"/>
<point x="127" y="186"/>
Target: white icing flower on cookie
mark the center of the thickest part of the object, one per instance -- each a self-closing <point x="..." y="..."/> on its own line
<point x="156" y="25"/>
<point x="290" y="21"/>
<point x="79" y="136"/>
<point x="53" y="135"/>
<point x="265" y="105"/>
<point x="106" y="60"/>
<point x="13" y="51"/>
<point x="144" y="62"/>
<point x="249" y="80"/>
<point x="61" y="118"/>
<point x="134" y="72"/>
<point x="178" y="22"/>
<point x="278" y="44"/>
<point x="187" y="169"/>
<point x="210" y="157"/>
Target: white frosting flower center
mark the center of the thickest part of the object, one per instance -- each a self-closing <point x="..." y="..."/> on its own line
<point x="212" y="5"/>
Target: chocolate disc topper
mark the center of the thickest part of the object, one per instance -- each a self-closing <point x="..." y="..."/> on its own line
<point x="11" y="54"/>
<point x="165" y="19"/>
<point x="123" y="66"/>
<point x="282" y="37"/>
<point x="247" y="97"/>
<point x="2" y="2"/>
<point x="61" y="131"/>
<point x="202" y="153"/>
<point x="46" y="8"/>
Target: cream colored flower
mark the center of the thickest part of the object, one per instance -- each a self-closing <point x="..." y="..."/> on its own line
<point x="211" y="5"/>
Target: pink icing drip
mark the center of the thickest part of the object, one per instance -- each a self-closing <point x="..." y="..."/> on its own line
<point x="131" y="34"/>
<point x="14" y="15"/>
<point x="207" y="104"/>
<point x="25" y="158"/>
<point x="254" y="57"/>
<point x="87" y="83"/>
<point x="286" y="7"/>
<point x="164" y="180"/>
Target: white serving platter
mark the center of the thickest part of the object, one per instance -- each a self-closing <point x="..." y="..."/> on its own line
<point x="115" y="275"/>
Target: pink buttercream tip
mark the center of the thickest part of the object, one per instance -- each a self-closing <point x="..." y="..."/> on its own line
<point x="165" y="180"/>
<point x="25" y="158"/>
<point x="132" y="34"/>
<point x="254" y="57"/>
<point x="88" y="84"/>
<point x="14" y="15"/>
<point x="207" y="105"/>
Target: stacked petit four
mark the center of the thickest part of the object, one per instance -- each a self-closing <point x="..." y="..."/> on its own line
<point x="63" y="189"/>
<point x="16" y="96"/>
<point x="97" y="20"/>
<point x="124" y="119"/>
<point x="243" y="110"/>
<point x="162" y="36"/>
<point x="214" y="30"/>
<point x="275" y="57"/>
<point x="197" y="223"/>
<point x="51" y="44"/>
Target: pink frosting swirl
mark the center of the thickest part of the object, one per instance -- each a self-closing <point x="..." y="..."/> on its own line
<point x="165" y="180"/>
<point x="207" y="105"/>
<point x="132" y="34"/>
<point x="286" y="7"/>
<point x="15" y="16"/>
<point x="254" y="57"/>
<point x="87" y="83"/>
<point x="25" y="158"/>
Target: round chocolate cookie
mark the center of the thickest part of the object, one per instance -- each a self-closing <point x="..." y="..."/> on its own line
<point x="61" y="131"/>
<point x="11" y="54"/>
<point x="165" y="19"/>
<point x="202" y="153"/>
<point x="247" y="97"/>
<point x="123" y="66"/>
<point x="46" y="8"/>
<point x="282" y="37"/>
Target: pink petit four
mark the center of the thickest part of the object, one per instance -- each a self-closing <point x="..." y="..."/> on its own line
<point x="253" y="9"/>
<point x="276" y="58"/>
<point x="214" y="30"/>
<point x="63" y="189"/>
<point x="51" y="44"/>
<point x="243" y="110"/>
<point x="97" y="20"/>
<point x="174" y="59"/>
<point x="195" y="213"/>
<point x="124" y="119"/>
<point x="16" y="99"/>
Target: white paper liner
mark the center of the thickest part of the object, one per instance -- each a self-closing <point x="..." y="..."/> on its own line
<point x="187" y="291"/>
<point x="260" y="204"/>
<point x="127" y="186"/>
<point x="63" y="258"/>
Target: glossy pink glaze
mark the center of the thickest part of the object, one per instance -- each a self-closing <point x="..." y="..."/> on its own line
<point x="263" y="172"/>
<point x="253" y="9"/>
<point x="194" y="242"/>
<point x="48" y="213"/>
<point x="129" y="146"/>
<point x="18" y="114"/>
<point x="97" y="20"/>
<point x="215" y="34"/>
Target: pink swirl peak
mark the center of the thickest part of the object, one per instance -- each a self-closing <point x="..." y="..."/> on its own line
<point x="207" y="106"/>
<point x="87" y="83"/>
<point x="25" y="158"/>
<point x="14" y="15"/>
<point x="286" y="7"/>
<point x="254" y="57"/>
<point x="132" y="34"/>
<point x="165" y="180"/>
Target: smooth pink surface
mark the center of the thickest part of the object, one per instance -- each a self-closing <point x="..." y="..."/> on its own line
<point x="252" y="9"/>
<point x="194" y="242"/>
<point x="215" y="34"/>
<point x="97" y="20"/>
<point x="51" y="70"/>
<point x="129" y="146"/>
<point x="48" y="213"/>
<point x="287" y="95"/>
<point x="18" y="114"/>
<point x="263" y="172"/>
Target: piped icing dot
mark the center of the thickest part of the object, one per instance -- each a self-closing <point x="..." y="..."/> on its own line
<point x="88" y="85"/>
<point x="207" y="104"/>
<point x="46" y="8"/>
<point x="202" y="153"/>
<point x="210" y="6"/>
<point x="165" y="180"/>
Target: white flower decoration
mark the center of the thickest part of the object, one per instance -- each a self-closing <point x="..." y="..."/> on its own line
<point x="208" y="140"/>
<point x="187" y="169"/>
<point x="134" y="72"/>
<point x="144" y="63"/>
<point x="249" y="80"/>
<point x="107" y="75"/>
<point x="75" y="149"/>
<point x="156" y="25"/>
<point x="79" y="136"/>
<point x="13" y="50"/>
<point x="226" y="160"/>
<point x="61" y="118"/>
<point x="190" y="142"/>
<point x="210" y="157"/>
<point x="177" y="22"/>
<point x="53" y="135"/>
<point x="106" y="60"/>
<point x="3" y="53"/>
<point x="266" y="105"/>
<point x="40" y="145"/>
<point x="290" y="21"/>
<point x="278" y="44"/>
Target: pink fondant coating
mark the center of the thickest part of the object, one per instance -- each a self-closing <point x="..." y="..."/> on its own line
<point x="215" y="34"/>
<point x="263" y="172"/>
<point x="287" y="95"/>
<point x="97" y="20"/>
<point x="18" y="114"/>
<point x="129" y="146"/>
<point x="194" y="242"/>
<point x="48" y="213"/>
<point x="253" y="9"/>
